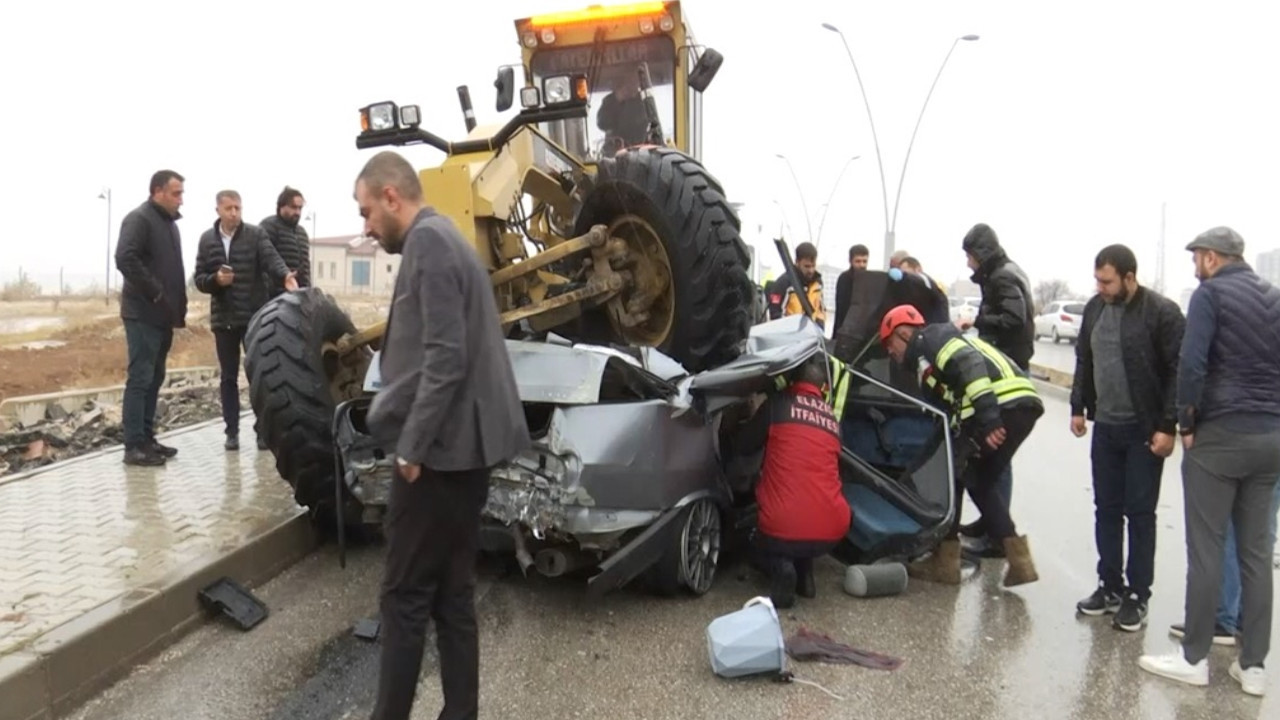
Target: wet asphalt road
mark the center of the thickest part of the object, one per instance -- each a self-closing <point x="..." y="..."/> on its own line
<point x="976" y="651"/>
<point x="1058" y="357"/>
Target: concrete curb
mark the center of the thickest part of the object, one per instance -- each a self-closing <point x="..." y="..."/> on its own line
<point x="1053" y="377"/>
<point x="31" y="409"/>
<point x="70" y="663"/>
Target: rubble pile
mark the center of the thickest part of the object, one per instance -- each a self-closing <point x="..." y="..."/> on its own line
<point x="93" y="426"/>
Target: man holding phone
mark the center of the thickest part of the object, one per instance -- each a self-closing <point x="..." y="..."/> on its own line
<point x="229" y="260"/>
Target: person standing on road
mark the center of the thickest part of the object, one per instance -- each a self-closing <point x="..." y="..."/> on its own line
<point x="783" y="298"/>
<point x="1006" y="319"/>
<point x="803" y="512"/>
<point x="229" y="259"/>
<point x="449" y="411"/>
<point x="1126" y="383"/>
<point x="289" y="238"/>
<point x="1229" y="419"/>
<point x="153" y="301"/>
<point x="859" y="258"/>
<point x="996" y="406"/>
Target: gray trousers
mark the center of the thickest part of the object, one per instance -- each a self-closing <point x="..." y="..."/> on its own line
<point x="1232" y="475"/>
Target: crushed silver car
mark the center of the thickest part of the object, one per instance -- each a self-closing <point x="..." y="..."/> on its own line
<point x="635" y="469"/>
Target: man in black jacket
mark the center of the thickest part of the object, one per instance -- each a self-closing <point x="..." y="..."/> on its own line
<point x="1006" y="319"/>
<point x="153" y="301"/>
<point x="1126" y="382"/>
<point x="229" y="260"/>
<point x="289" y="239"/>
<point x="859" y="258"/>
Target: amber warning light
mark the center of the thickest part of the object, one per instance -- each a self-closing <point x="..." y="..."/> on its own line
<point x="597" y="12"/>
<point x="580" y="89"/>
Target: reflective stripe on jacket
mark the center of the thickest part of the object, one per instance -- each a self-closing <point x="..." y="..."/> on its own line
<point x="969" y="375"/>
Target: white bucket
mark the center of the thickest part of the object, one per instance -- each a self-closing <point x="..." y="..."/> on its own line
<point x="748" y="641"/>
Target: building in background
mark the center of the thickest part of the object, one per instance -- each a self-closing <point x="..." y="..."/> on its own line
<point x="352" y="265"/>
<point x="1268" y="266"/>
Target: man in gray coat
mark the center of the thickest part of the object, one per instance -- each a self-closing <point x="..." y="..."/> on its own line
<point x="449" y="410"/>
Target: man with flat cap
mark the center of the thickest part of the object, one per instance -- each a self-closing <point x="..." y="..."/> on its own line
<point x="1229" y="419"/>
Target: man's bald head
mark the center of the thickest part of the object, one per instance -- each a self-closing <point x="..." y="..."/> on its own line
<point x="390" y="169"/>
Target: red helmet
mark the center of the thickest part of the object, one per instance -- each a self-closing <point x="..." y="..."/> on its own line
<point x="897" y="317"/>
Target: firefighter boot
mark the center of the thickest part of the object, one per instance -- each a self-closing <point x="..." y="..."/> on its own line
<point x="943" y="566"/>
<point x="1022" y="569"/>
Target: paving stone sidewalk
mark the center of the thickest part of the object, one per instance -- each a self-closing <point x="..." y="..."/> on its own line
<point x="85" y="532"/>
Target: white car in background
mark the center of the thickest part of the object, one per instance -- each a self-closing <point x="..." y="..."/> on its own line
<point x="964" y="310"/>
<point x="1060" y="320"/>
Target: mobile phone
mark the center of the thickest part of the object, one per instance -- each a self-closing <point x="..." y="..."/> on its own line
<point x="227" y="268"/>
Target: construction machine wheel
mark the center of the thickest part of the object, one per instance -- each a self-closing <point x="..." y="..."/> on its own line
<point x="689" y="293"/>
<point x="296" y="380"/>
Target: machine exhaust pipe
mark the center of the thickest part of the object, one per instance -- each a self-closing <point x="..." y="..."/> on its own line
<point x="554" y="562"/>
<point x="468" y="114"/>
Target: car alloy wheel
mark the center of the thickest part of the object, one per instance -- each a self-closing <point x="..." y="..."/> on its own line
<point x="700" y="546"/>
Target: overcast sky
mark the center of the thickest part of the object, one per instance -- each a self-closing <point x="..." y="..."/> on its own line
<point x="1064" y="127"/>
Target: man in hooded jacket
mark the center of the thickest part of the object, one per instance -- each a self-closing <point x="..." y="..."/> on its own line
<point x="1006" y="320"/>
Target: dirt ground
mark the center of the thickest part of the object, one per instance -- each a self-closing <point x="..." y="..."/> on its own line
<point x="86" y="347"/>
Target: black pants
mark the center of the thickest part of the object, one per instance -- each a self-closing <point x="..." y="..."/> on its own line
<point x="433" y="538"/>
<point x="229" y="342"/>
<point x="1126" y="486"/>
<point x="148" y="347"/>
<point x="982" y="472"/>
<point x="770" y="552"/>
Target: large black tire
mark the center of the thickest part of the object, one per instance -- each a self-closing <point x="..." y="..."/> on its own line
<point x="686" y="206"/>
<point x="291" y="392"/>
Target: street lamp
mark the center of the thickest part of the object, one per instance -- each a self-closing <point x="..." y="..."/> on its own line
<point x="827" y="206"/>
<point x="106" y="195"/>
<point x="311" y="215"/>
<point x="799" y="190"/>
<point x="889" y="225"/>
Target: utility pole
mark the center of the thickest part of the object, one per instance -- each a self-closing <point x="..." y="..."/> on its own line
<point x="1159" y="281"/>
<point x="106" y="292"/>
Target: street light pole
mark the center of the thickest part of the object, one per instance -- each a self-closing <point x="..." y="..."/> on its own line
<point x="106" y="195"/>
<point x="884" y="190"/>
<point x="311" y="215"/>
<point x="890" y="225"/>
<point x="898" y="195"/>
<point x="832" y="195"/>
<point x="803" y="204"/>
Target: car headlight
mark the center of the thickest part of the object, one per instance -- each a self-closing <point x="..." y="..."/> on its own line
<point x="379" y="116"/>
<point x="557" y="89"/>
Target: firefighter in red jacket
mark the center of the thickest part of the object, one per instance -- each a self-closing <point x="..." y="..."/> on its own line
<point x="802" y="511"/>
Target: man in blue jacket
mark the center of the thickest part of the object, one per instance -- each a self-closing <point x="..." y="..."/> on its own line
<point x="1229" y="419"/>
<point x="153" y="302"/>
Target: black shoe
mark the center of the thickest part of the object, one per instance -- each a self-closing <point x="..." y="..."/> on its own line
<point x="143" y="457"/>
<point x="1221" y="635"/>
<point x="1132" y="615"/>
<point x="806" y="586"/>
<point x="162" y="450"/>
<point x="975" y="529"/>
<point x="782" y="588"/>
<point x="1100" y="602"/>
<point x="232" y="443"/>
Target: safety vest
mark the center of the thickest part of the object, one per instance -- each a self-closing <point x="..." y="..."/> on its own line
<point x="836" y="393"/>
<point x="1010" y="386"/>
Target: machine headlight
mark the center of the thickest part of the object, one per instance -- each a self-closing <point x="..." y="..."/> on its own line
<point x="666" y="23"/>
<point x="558" y="89"/>
<point x="646" y="25"/>
<point x="548" y="36"/>
<point x="379" y="116"/>
<point x="530" y="97"/>
<point x="530" y="40"/>
<point x="410" y="116"/>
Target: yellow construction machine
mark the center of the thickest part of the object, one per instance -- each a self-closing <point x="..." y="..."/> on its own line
<point x="590" y="207"/>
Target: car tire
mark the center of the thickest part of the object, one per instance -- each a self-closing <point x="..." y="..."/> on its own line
<point x="689" y="562"/>
<point x="1056" y="338"/>
<point x="687" y="209"/>
<point x="292" y="390"/>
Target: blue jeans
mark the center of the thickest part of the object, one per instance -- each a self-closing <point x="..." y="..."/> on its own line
<point x="1229" y="601"/>
<point x="148" y="351"/>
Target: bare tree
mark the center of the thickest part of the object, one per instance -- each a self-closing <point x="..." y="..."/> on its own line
<point x="1047" y="291"/>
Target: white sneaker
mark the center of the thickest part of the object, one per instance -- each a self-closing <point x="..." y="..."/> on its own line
<point x="1253" y="681"/>
<point x="1175" y="667"/>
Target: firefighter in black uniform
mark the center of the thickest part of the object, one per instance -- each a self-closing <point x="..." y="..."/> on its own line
<point x="995" y="405"/>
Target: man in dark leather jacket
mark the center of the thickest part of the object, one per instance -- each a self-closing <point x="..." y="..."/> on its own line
<point x="1006" y="319"/>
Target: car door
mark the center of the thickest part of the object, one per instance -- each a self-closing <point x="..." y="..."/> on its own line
<point x="1044" y="321"/>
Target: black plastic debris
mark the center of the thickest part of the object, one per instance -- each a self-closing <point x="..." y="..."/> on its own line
<point x="367" y="629"/>
<point x="234" y="601"/>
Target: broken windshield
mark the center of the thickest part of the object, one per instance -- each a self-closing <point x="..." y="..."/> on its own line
<point x="617" y="116"/>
